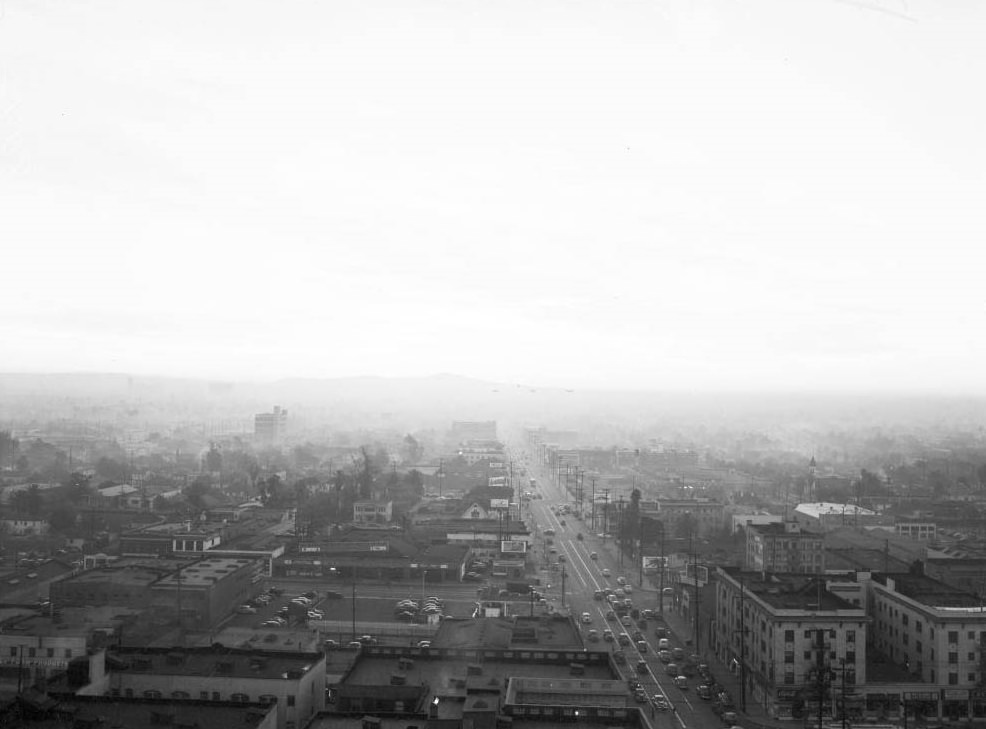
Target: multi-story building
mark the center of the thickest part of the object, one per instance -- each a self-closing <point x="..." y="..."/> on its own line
<point x="921" y="530"/>
<point x="706" y="515"/>
<point x="270" y="427"/>
<point x="785" y="635"/>
<point x="376" y="512"/>
<point x="201" y="592"/>
<point x="825" y="516"/>
<point x="466" y="430"/>
<point x="937" y="634"/>
<point x="784" y="547"/>
<point x="293" y="681"/>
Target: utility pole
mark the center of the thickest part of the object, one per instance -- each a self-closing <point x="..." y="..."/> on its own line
<point x="640" y="548"/>
<point x="441" y="475"/>
<point x="605" y="514"/>
<point x="563" y="575"/>
<point x="620" y="511"/>
<point x="593" y="529"/>
<point x="354" y="604"/>
<point x="820" y="669"/>
<point x="663" y="566"/>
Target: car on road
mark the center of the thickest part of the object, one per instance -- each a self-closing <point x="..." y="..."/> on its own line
<point x="625" y="621"/>
<point x="610" y="615"/>
<point x="472" y="577"/>
<point x="642" y="646"/>
<point x="593" y="636"/>
<point x="678" y="654"/>
<point x="640" y="695"/>
<point x="642" y="668"/>
<point x="598" y="595"/>
<point x="627" y="589"/>
<point x="593" y="555"/>
<point x="578" y="536"/>
<point x="608" y="636"/>
<point x="620" y="657"/>
<point x="704" y="692"/>
<point x="681" y="682"/>
<point x="664" y="656"/>
<point x="315" y="615"/>
<point x="330" y="645"/>
<point x="623" y="639"/>
<point x="606" y="572"/>
<point x="562" y="558"/>
<point x="672" y="669"/>
<point x="271" y="624"/>
<point x="660" y="702"/>
<point x="424" y="644"/>
<point x="621" y="580"/>
<point x="562" y="522"/>
<point x="586" y="618"/>
<point x="246" y="610"/>
<point x="664" y="644"/>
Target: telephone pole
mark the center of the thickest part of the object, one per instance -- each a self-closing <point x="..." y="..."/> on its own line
<point x="593" y="528"/>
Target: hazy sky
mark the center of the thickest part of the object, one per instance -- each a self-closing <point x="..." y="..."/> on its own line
<point x="694" y="194"/>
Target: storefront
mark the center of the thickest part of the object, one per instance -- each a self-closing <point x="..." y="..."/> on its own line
<point x="977" y="701"/>
<point x="922" y="704"/>
<point x="955" y="704"/>
<point x="882" y="705"/>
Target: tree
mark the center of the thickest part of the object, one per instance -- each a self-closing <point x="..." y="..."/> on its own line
<point x="63" y="518"/>
<point x="631" y="521"/>
<point x="213" y="459"/>
<point x="8" y="448"/>
<point x="76" y="487"/>
<point x="411" y="450"/>
<point x="415" y="482"/>
<point x="111" y="469"/>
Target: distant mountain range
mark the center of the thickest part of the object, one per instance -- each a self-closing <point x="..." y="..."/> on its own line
<point x="438" y="399"/>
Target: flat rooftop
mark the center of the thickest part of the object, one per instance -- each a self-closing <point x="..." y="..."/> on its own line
<point x="205" y="572"/>
<point x="929" y="591"/>
<point x="138" y="714"/>
<point x="791" y="591"/>
<point x="515" y="632"/>
<point x="208" y="662"/>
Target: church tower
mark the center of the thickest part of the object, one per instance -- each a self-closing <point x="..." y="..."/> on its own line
<point x="810" y="485"/>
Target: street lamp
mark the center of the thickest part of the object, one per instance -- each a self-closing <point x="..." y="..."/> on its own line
<point x="423" y="575"/>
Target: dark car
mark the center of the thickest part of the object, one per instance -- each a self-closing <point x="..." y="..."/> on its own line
<point x="332" y="595"/>
<point x="579" y="536"/>
<point x="704" y="692"/>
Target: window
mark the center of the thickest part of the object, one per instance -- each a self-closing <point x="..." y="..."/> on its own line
<point x="51" y="652"/>
<point x="971" y="678"/>
<point x="808" y="634"/>
<point x="32" y="652"/>
<point x="68" y="652"/>
<point x="972" y="656"/>
<point x="905" y="638"/>
<point x="290" y="699"/>
<point x="789" y="656"/>
<point x="971" y="635"/>
<point x="850" y="656"/>
<point x="215" y="696"/>
<point x="152" y="694"/>
<point x="953" y="679"/>
<point x="203" y="695"/>
<point x="953" y="657"/>
<point x="807" y="655"/>
<point x="180" y="695"/>
<point x="239" y="698"/>
<point x="13" y="651"/>
<point x="129" y="693"/>
<point x="788" y="636"/>
<point x="789" y="678"/>
<point x="906" y="619"/>
<point x="850" y="636"/>
<point x="918" y="625"/>
<point x="917" y="644"/>
<point x="953" y="636"/>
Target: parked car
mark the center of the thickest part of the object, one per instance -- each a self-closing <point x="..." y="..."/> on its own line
<point x="424" y="644"/>
<point x="332" y="595"/>
<point x="578" y="537"/>
<point x="623" y="639"/>
<point x="246" y="610"/>
<point x="664" y="656"/>
<point x="704" y="692"/>
<point x="593" y="636"/>
<point x="681" y="682"/>
<point x="593" y="555"/>
<point x="640" y="696"/>
<point x="606" y="572"/>
<point x="608" y="636"/>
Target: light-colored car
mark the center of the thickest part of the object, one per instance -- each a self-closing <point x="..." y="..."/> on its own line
<point x="606" y="572"/>
<point x="586" y="618"/>
<point x="424" y="644"/>
<point x="315" y="614"/>
<point x="681" y="682"/>
<point x="246" y="610"/>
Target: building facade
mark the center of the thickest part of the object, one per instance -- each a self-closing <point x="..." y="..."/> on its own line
<point x="792" y="641"/>
<point x="784" y="547"/>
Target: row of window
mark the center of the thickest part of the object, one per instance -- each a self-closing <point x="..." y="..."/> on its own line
<point x="238" y="698"/>
<point x="33" y="652"/>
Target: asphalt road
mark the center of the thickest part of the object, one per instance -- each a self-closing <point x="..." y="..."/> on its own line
<point x="584" y="577"/>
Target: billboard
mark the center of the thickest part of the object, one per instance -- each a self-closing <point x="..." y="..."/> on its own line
<point x="499" y="503"/>
<point x="513" y="547"/>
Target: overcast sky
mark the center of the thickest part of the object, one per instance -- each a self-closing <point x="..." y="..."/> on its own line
<point x="687" y="194"/>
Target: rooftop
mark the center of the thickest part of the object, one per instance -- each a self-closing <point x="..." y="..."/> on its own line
<point x="928" y="591"/>
<point x="234" y="663"/>
<point x="826" y="508"/>
<point x="504" y="633"/>
<point x="140" y="713"/>
<point x="790" y="591"/>
<point x="205" y="572"/>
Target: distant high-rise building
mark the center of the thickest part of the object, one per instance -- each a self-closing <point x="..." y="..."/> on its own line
<point x="465" y="430"/>
<point x="270" y="427"/>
